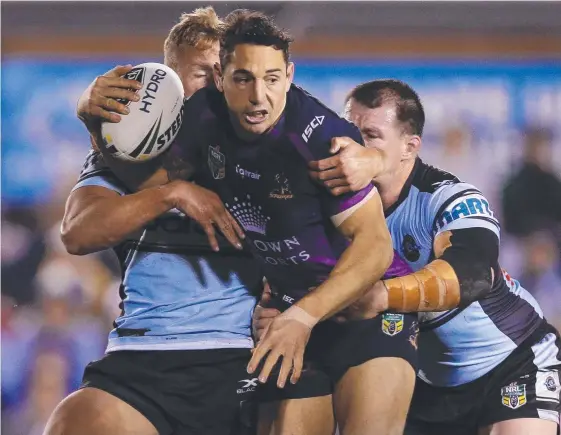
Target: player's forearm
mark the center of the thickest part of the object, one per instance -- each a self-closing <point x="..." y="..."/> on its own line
<point x="104" y="222"/>
<point x="441" y="285"/>
<point x="435" y="287"/>
<point x="462" y="273"/>
<point x="355" y="272"/>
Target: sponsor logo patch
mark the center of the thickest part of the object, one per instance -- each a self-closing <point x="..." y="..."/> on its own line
<point x="282" y="191"/>
<point x="248" y="385"/>
<point x="411" y="250"/>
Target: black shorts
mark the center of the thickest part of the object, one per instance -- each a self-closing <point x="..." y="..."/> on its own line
<point x="334" y="348"/>
<point x="524" y="385"/>
<point x="183" y="392"/>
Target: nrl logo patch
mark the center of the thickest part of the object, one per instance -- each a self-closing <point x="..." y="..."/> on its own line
<point x="392" y="324"/>
<point x="514" y="395"/>
<point x="216" y="163"/>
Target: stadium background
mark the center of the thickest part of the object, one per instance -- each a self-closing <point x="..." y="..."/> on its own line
<point x="489" y="74"/>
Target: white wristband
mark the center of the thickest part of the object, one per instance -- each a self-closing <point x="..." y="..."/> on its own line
<point x="302" y="316"/>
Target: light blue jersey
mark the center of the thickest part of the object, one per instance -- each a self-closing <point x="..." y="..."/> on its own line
<point x="460" y="345"/>
<point x="176" y="292"/>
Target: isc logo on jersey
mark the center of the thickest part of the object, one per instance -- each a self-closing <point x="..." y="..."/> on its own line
<point x="316" y="122"/>
<point x="466" y="206"/>
<point x="154" y="121"/>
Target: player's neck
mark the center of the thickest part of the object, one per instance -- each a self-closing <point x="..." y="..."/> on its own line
<point x="391" y="185"/>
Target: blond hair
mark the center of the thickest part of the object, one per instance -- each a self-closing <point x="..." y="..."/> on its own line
<point x="200" y="29"/>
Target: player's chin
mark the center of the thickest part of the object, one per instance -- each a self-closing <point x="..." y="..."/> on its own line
<point x="256" y="128"/>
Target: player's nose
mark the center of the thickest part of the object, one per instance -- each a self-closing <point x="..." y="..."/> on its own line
<point x="257" y="94"/>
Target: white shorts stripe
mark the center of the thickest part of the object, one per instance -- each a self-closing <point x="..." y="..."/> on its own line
<point x="545" y="352"/>
<point x="548" y="385"/>
<point x="548" y="414"/>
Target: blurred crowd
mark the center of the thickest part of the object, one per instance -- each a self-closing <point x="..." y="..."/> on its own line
<point x="57" y="309"/>
<point x="56" y="312"/>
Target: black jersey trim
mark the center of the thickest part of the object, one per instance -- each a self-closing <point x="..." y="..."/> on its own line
<point x="450" y="200"/>
<point x="106" y="173"/>
<point x="428" y="178"/>
<point x="97" y="172"/>
<point x="122" y="252"/>
<point x="190" y="251"/>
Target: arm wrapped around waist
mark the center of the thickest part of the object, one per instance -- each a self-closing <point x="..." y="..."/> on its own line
<point x="462" y="273"/>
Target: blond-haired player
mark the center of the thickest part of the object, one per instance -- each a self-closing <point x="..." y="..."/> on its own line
<point x="176" y="359"/>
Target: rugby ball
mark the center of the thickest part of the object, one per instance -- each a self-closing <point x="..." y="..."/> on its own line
<point x="153" y="122"/>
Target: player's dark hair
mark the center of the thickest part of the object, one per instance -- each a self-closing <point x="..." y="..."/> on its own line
<point x="250" y="27"/>
<point x="409" y="109"/>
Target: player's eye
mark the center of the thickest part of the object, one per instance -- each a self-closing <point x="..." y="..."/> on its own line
<point x="272" y="80"/>
<point x="241" y="80"/>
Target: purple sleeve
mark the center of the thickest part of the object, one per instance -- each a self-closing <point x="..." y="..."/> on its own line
<point x="399" y="267"/>
<point x="315" y="145"/>
<point x="338" y="204"/>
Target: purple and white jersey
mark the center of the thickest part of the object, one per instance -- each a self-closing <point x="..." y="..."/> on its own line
<point x="265" y="184"/>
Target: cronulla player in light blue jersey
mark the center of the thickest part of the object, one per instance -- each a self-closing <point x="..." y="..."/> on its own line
<point x="176" y="358"/>
<point x="489" y="362"/>
<point x="177" y="294"/>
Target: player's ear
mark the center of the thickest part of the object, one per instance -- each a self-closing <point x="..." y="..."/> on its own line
<point x="218" y="78"/>
<point x="289" y="75"/>
<point x="412" y="147"/>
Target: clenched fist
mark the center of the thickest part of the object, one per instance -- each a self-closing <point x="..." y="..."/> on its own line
<point x="351" y="169"/>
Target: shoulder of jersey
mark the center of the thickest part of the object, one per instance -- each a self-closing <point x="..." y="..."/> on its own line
<point x="430" y="179"/>
<point x="311" y="109"/>
<point x="94" y="165"/>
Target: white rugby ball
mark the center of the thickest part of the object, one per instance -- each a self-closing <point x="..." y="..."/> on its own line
<point x="153" y="122"/>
